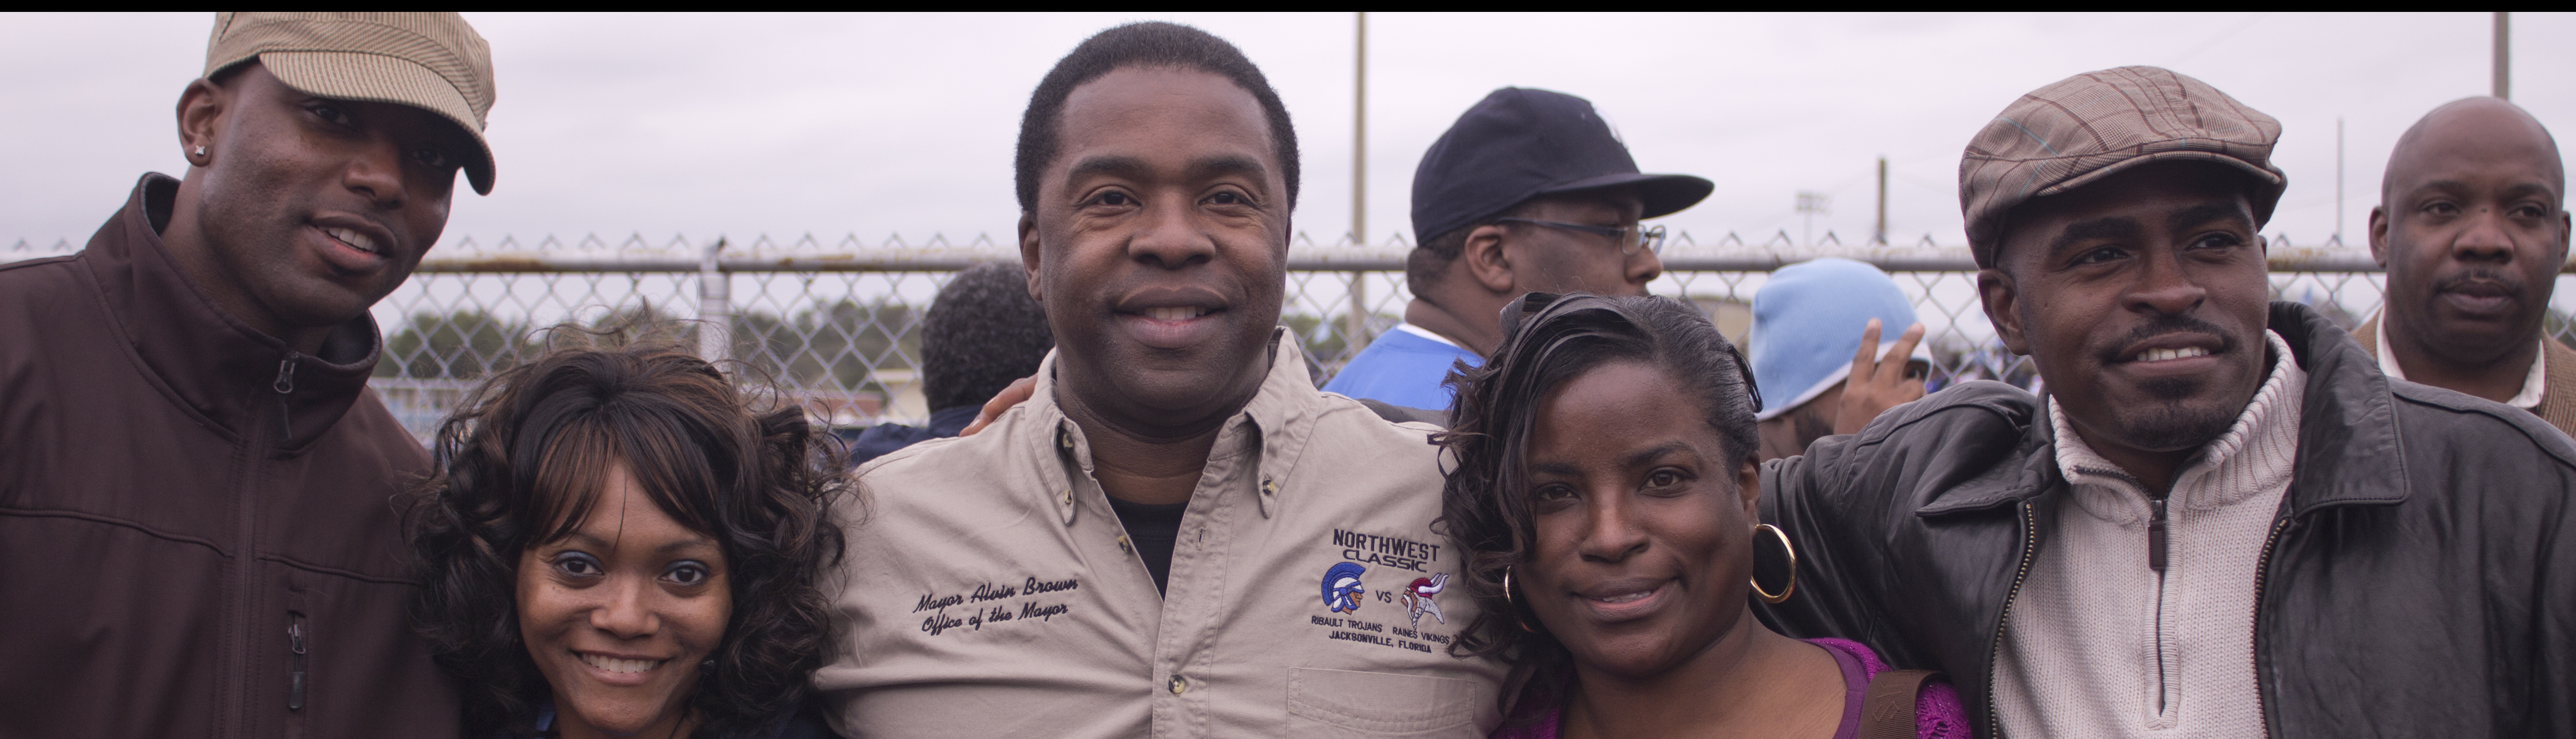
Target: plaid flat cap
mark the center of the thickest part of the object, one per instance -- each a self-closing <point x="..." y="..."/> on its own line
<point x="2089" y="126"/>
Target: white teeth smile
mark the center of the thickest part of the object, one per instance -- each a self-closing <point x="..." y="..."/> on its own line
<point x="2159" y="355"/>
<point x="1627" y="597"/>
<point x="613" y="664"/>
<point x="1174" y="314"/>
<point x="353" y="238"/>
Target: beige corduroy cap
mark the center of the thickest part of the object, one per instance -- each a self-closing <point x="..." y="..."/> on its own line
<point x="432" y="61"/>
<point x="2089" y="126"/>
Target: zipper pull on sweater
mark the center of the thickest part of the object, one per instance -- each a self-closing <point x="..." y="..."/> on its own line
<point x="285" y="387"/>
<point x="2156" y="535"/>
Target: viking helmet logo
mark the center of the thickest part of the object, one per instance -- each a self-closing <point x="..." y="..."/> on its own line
<point x="1417" y="598"/>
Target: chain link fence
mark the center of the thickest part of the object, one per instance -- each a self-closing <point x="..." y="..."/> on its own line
<point x="836" y="324"/>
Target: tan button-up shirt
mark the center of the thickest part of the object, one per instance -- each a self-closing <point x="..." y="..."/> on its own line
<point x="990" y="590"/>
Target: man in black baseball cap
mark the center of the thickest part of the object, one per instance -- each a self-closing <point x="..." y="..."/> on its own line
<point x="1528" y="192"/>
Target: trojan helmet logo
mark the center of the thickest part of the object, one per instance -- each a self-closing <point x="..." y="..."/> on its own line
<point x="1342" y="589"/>
<point x="1417" y="597"/>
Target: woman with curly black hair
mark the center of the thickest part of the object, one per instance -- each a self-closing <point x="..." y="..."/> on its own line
<point x="1604" y="488"/>
<point x="619" y="542"/>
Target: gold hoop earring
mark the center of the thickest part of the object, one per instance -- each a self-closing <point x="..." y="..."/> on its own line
<point x="1515" y="607"/>
<point x="1792" y="552"/>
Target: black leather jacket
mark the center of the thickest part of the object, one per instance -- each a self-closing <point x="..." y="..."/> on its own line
<point x="2419" y="580"/>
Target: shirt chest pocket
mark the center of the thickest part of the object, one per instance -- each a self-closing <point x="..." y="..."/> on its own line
<point x="1349" y="703"/>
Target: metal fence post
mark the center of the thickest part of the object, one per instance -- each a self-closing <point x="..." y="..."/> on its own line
<point x="715" y="307"/>
<point x="1355" y="325"/>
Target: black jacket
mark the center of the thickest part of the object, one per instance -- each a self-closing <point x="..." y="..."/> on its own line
<point x="884" y="438"/>
<point x="196" y="533"/>
<point x="2419" y="580"/>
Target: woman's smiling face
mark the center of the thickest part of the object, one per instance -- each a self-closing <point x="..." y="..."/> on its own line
<point x="619" y="614"/>
<point x="1644" y="522"/>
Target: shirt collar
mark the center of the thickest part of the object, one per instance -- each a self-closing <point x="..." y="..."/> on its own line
<point x="2257" y="452"/>
<point x="232" y="375"/>
<point x="1427" y="334"/>
<point x="1280" y="416"/>
<point x="2533" y="383"/>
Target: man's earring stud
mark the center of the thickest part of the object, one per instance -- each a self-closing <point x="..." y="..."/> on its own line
<point x="201" y="151"/>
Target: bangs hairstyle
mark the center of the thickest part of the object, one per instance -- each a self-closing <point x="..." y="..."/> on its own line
<point x="1484" y="501"/>
<point x="1153" y="45"/>
<point x="524" y="463"/>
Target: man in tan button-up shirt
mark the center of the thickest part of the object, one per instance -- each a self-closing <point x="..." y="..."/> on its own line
<point x="1178" y="535"/>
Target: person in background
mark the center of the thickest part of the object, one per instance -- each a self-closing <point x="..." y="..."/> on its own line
<point x="2472" y="228"/>
<point x="619" y="542"/>
<point x="1604" y="494"/>
<point x="1529" y="191"/>
<point x="1803" y="347"/>
<point x="2222" y="520"/>
<point x="1177" y="534"/>
<point x="193" y="474"/>
<point x="981" y="332"/>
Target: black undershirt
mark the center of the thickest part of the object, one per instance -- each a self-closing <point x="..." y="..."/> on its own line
<point x="1152" y="527"/>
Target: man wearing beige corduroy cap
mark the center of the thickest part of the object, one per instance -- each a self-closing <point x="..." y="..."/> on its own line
<point x="197" y="536"/>
<point x="2222" y="520"/>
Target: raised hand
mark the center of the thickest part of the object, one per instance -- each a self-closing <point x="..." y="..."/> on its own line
<point x="1877" y="384"/>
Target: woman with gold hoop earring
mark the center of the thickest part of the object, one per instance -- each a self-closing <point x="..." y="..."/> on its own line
<point x="1603" y="490"/>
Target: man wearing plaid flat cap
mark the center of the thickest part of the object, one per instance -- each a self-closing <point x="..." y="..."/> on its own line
<point x="198" y="531"/>
<point x="2222" y="520"/>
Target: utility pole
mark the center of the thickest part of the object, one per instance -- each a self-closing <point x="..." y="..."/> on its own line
<point x="2503" y="55"/>
<point x="1879" y="236"/>
<point x="2338" y="229"/>
<point x="1359" y="135"/>
<point x="1355" y="320"/>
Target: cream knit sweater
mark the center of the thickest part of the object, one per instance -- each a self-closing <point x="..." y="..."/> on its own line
<point x="2098" y="644"/>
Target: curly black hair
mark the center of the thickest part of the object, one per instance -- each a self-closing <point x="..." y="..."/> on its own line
<point x="1152" y="45"/>
<point x="520" y="465"/>
<point x="1484" y="502"/>
<point x="982" y="332"/>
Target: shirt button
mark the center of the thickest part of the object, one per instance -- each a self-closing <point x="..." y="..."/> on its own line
<point x="1123" y="546"/>
<point x="1068" y="496"/>
<point x="1268" y="487"/>
<point x="1064" y="438"/>
<point x="1179" y="684"/>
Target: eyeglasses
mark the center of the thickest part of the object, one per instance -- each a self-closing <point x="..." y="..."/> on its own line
<point x="1629" y="238"/>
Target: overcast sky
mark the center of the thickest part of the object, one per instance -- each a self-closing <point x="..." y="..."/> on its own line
<point x="876" y="124"/>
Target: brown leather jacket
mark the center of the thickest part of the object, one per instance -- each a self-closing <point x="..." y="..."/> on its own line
<point x="196" y="538"/>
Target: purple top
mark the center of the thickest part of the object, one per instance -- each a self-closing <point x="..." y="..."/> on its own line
<point x="1937" y="714"/>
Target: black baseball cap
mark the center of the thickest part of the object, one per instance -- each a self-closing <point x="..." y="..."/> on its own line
<point x="1520" y="143"/>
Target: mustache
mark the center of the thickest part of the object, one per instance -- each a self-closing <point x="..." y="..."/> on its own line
<point x="2166" y="325"/>
<point x="2511" y="283"/>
